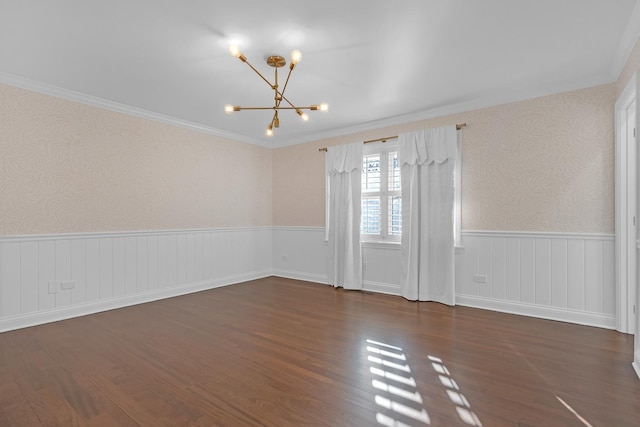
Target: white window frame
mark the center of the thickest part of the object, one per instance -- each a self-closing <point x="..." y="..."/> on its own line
<point x="383" y="149"/>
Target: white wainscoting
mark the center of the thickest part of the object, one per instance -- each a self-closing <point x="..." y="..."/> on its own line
<point x="112" y="270"/>
<point x="300" y="253"/>
<point x="567" y="277"/>
<point x="381" y="265"/>
<point x="560" y="276"/>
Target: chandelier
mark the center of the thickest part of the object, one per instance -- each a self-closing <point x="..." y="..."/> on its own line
<point x="276" y="62"/>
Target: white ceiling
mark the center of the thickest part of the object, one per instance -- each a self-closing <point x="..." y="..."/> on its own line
<point x="375" y="62"/>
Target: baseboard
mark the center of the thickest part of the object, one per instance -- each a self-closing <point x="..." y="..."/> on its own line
<point x="531" y="310"/>
<point x="39" y="318"/>
<point x="539" y="311"/>
<point x="636" y="364"/>
<point x="382" y="288"/>
<point x="299" y="275"/>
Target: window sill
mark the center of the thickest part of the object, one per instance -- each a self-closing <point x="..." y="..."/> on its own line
<point x="381" y="245"/>
<point x="398" y="246"/>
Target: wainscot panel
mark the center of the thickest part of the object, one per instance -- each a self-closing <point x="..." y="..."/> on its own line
<point x="300" y="253"/>
<point x="559" y="276"/>
<point x="45" y="278"/>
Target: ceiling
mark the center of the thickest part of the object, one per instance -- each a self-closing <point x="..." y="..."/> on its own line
<point x="376" y="63"/>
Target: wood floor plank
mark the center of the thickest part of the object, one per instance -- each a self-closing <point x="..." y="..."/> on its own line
<point x="280" y="352"/>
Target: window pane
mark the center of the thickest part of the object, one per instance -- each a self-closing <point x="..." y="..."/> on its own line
<point x="395" y="216"/>
<point x="371" y="173"/>
<point x="394" y="171"/>
<point x="370" y="216"/>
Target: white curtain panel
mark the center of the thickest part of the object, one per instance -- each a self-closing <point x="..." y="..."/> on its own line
<point x="344" y="172"/>
<point x="427" y="164"/>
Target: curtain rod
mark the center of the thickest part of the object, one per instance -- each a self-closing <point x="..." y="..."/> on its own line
<point x="458" y="127"/>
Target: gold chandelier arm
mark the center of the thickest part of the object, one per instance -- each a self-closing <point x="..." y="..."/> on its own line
<point x="310" y="107"/>
<point x="286" y="82"/>
<point x="257" y="108"/>
<point x="280" y="95"/>
<point x="259" y="73"/>
<point x="277" y="106"/>
<point x="293" y="107"/>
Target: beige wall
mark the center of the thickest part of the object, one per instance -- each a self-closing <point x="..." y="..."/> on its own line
<point x="69" y="167"/>
<point x="544" y="164"/>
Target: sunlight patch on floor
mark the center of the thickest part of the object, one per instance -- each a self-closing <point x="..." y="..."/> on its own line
<point x="463" y="407"/>
<point x="397" y="396"/>
<point x="573" y="411"/>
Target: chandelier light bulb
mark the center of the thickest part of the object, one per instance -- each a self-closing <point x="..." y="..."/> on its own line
<point x="228" y="109"/>
<point x="302" y="115"/>
<point x="324" y="107"/>
<point x="235" y="51"/>
<point x="296" y="56"/>
<point x="269" y="131"/>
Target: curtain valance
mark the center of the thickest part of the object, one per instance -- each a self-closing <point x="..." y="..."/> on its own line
<point x="428" y="146"/>
<point x="344" y="158"/>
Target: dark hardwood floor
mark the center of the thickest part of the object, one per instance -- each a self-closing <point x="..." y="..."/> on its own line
<point x="280" y="352"/>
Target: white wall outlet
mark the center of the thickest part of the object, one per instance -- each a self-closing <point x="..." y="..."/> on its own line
<point x="480" y="278"/>
<point x="68" y="284"/>
<point x="285" y="258"/>
<point x="54" y="286"/>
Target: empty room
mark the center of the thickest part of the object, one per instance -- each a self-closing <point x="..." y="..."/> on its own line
<point x="365" y="213"/>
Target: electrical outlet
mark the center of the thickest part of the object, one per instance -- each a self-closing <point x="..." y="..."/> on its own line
<point x="285" y="258"/>
<point x="54" y="286"/>
<point x="480" y="278"/>
<point x="68" y="284"/>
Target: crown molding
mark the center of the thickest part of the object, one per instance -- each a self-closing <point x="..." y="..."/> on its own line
<point x="106" y="104"/>
<point x="627" y="42"/>
<point x="505" y="96"/>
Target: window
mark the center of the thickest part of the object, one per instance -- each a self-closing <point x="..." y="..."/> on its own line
<point x="381" y="194"/>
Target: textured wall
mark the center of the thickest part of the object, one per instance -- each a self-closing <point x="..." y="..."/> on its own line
<point x="544" y="164"/>
<point x="69" y="167"/>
